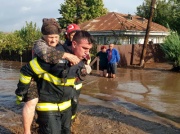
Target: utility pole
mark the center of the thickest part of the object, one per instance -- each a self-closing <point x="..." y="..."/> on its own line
<point x="152" y="8"/>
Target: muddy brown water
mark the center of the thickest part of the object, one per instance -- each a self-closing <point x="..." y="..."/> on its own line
<point x="149" y="92"/>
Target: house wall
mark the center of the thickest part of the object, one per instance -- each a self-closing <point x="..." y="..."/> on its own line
<point x="131" y="54"/>
<point x="123" y="40"/>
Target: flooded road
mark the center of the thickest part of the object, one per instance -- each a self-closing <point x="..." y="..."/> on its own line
<point x="9" y="75"/>
<point x="149" y="92"/>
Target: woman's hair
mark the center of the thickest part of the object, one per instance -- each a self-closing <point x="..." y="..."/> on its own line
<point x="103" y="47"/>
<point x="50" y="26"/>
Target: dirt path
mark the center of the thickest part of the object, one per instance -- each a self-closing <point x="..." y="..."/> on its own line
<point x="93" y="119"/>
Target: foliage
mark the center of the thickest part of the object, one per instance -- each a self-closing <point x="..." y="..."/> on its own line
<point x="171" y="48"/>
<point x="2" y="41"/>
<point x="95" y="9"/>
<point x="167" y="12"/>
<point x="144" y="9"/>
<point x="29" y="34"/>
<point x="78" y="11"/>
<point x="12" y="42"/>
<point x="20" y="40"/>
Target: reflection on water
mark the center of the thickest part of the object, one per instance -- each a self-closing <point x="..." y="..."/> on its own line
<point x="153" y="90"/>
<point x="9" y="75"/>
<point x="145" y="91"/>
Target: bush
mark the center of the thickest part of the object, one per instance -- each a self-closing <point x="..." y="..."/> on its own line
<point x="171" y="48"/>
<point x="20" y="40"/>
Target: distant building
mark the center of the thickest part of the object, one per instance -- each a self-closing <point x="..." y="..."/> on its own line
<point x="123" y="29"/>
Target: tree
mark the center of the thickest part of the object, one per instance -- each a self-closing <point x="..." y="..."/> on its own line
<point x="78" y="11"/>
<point x="167" y="13"/>
<point x="20" y="40"/>
<point x="11" y="42"/>
<point x="95" y="9"/>
<point x="2" y="41"/>
<point x="29" y="34"/>
<point x="171" y="48"/>
<point x="144" y="9"/>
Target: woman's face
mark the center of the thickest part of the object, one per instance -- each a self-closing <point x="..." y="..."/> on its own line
<point x="103" y="50"/>
<point x="52" y="39"/>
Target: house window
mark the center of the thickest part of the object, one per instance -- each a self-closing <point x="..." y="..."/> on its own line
<point x="124" y="40"/>
<point x="133" y="40"/>
<point x="100" y="40"/>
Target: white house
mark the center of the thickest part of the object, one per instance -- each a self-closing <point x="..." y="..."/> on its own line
<point x="123" y="29"/>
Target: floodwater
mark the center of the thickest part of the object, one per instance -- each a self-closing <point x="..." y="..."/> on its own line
<point x="9" y="76"/>
<point x="146" y="91"/>
<point x="150" y="92"/>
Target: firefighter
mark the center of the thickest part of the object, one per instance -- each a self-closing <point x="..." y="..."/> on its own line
<point x="39" y="47"/>
<point x="50" y="55"/>
<point x="70" y="31"/>
<point x="47" y="51"/>
<point x="52" y="85"/>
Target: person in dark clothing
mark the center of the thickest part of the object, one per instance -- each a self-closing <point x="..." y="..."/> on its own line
<point x="103" y="61"/>
<point x="70" y="31"/>
<point x="49" y="75"/>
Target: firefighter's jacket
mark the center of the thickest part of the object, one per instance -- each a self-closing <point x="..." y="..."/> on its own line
<point x="55" y="81"/>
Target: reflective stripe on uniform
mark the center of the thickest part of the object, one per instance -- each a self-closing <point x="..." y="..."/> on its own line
<point x="36" y="67"/>
<point x="49" y="77"/>
<point x="57" y="81"/>
<point x="24" y="79"/>
<point x="78" y="86"/>
<point x="53" y="106"/>
<point x="73" y="116"/>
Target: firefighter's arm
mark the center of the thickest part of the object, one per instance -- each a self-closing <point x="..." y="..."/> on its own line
<point x="31" y="70"/>
<point x="23" y="84"/>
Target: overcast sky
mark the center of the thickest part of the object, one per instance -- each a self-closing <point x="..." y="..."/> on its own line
<point x="14" y="13"/>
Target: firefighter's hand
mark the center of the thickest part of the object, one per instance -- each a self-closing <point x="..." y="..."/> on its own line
<point x="73" y="59"/>
<point x="88" y="69"/>
<point x="82" y="74"/>
<point x="84" y="71"/>
<point x="18" y="99"/>
<point x="87" y="59"/>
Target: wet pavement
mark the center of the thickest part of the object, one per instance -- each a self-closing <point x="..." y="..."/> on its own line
<point x="149" y="92"/>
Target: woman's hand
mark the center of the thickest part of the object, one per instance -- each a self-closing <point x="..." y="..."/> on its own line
<point x="73" y="59"/>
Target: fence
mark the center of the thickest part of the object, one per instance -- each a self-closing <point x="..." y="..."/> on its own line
<point x="14" y="56"/>
<point x="130" y="54"/>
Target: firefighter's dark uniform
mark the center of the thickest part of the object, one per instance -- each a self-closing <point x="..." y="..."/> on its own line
<point x="53" y="55"/>
<point x="78" y="83"/>
<point x="55" y="89"/>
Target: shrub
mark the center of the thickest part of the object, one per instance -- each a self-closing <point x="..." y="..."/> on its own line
<point x="171" y="48"/>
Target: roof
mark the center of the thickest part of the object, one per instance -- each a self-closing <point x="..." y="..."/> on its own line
<point x="123" y="22"/>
